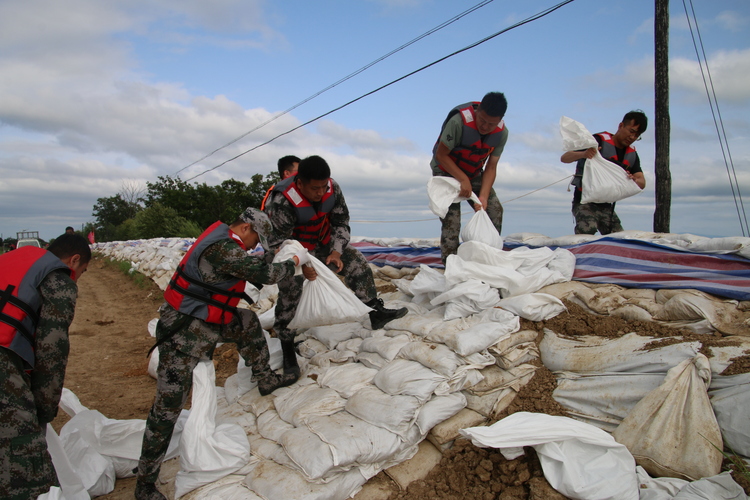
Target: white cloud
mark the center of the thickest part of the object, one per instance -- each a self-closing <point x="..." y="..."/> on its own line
<point x="729" y="72"/>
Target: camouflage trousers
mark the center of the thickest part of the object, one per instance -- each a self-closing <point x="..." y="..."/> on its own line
<point x="357" y="276"/>
<point x="26" y="469"/>
<point x="591" y="217"/>
<point x="175" y="379"/>
<point x="451" y="223"/>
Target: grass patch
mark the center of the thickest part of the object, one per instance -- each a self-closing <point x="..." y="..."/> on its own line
<point x="141" y="280"/>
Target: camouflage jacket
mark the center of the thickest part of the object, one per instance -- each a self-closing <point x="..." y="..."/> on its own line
<point x="51" y="348"/>
<point x="283" y="217"/>
<point x="221" y="261"/>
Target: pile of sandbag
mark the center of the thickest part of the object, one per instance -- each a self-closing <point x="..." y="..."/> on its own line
<point x="668" y="404"/>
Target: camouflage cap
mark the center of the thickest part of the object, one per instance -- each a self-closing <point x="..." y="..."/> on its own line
<point x="260" y="222"/>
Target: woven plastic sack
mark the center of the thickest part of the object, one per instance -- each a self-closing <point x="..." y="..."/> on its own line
<point x="326" y="301"/>
<point x="443" y="192"/>
<point x="480" y="228"/>
<point x="603" y="181"/>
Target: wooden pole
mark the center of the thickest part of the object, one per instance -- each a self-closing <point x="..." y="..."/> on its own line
<point x="663" y="185"/>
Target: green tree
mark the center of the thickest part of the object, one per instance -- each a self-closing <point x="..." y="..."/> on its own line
<point x="158" y="221"/>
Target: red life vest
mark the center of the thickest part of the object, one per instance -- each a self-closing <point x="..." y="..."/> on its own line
<point x="313" y="225"/>
<point x="20" y="301"/>
<point x="609" y="151"/>
<point x="475" y="148"/>
<point x="187" y="293"/>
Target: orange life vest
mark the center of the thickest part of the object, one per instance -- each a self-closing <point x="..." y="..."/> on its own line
<point x="20" y="302"/>
<point x="187" y="293"/>
<point x="313" y="225"/>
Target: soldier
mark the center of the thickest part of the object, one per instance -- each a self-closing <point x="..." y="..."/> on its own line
<point x="38" y="294"/>
<point x="287" y="166"/>
<point x="311" y="209"/>
<point x="200" y="310"/>
<point x="472" y="138"/>
<point x="617" y="148"/>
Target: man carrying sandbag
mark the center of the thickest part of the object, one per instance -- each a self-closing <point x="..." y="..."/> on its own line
<point x="200" y="310"/>
<point x="310" y="208"/>
<point x="471" y="141"/>
<point x="38" y="295"/>
<point x="618" y="149"/>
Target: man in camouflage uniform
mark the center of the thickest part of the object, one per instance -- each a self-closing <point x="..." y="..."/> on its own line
<point x="199" y="311"/>
<point x="617" y="148"/>
<point x="472" y="138"/>
<point x="32" y="368"/>
<point x="310" y="208"/>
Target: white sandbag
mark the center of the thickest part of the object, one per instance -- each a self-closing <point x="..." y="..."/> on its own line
<point x="606" y="182"/>
<point x="672" y="431"/>
<point x="516" y="355"/>
<point x="231" y="487"/>
<point x="209" y="452"/>
<point x="603" y="181"/>
<point x="479" y="336"/>
<point x="287" y="251"/>
<point x="426" y="285"/>
<point x="437" y="357"/>
<point x="623" y="354"/>
<point x="466" y="298"/>
<point x="728" y="393"/>
<point x="324" y="360"/>
<point x="326" y="301"/>
<point x="439" y="409"/>
<point x="371" y="360"/>
<point x="533" y="306"/>
<point x="394" y="413"/>
<point x="347" y="379"/>
<point x="310" y="347"/>
<point x="262" y="448"/>
<point x="354" y="441"/>
<point x="96" y="472"/>
<point x="687" y="306"/>
<point x="492" y="404"/>
<point x="331" y="335"/>
<point x="71" y="486"/>
<point x="480" y="228"/>
<point x="443" y="192"/>
<point x="519" y="337"/>
<point x="579" y="460"/>
<point x="575" y="135"/>
<point x="449" y="429"/>
<point x="719" y="487"/>
<point x="408" y="378"/>
<point x="304" y="402"/>
<point x="496" y="378"/>
<point x="309" y="453"/>
<point x="271" y="480"/>
<point x="514" y="272"/>
<point x="418" y="324"/>
<point x="272" y="426"/>
<point x="603" y="399"/>
<point x="387" y="347"/>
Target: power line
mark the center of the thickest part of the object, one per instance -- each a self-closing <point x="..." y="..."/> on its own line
<point x="713" y="101"/>
<point x="351" y="75"/>
<point x="475" y="44"/>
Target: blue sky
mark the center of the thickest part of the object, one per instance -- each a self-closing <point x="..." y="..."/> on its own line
<point x="96" y="96"/>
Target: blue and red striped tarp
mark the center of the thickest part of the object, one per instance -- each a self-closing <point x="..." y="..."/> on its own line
<point x="642" y="264"/>
<point x="400" y="256"/>
<point x="626" y="262"/>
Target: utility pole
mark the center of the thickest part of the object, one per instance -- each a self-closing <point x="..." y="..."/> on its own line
<point x="663" y="187"/>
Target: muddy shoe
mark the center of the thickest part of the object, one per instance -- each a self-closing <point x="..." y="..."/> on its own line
<point x="147" y="491"/>
<point x="269" y="382"/>
<point x="380" y="315"/>
<point x="291" y="367"/>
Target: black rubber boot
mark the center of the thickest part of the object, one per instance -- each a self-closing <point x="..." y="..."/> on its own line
<point x="147" y="491"/>
<point x="379" y="316"/>
<point x="270" y="381"/>
<point x="290" y="358"/>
